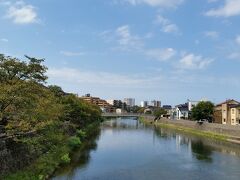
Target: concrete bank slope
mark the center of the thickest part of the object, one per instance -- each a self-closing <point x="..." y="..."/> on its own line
<point x="218" y="131"/>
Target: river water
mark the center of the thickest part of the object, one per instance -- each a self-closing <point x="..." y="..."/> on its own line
<point x="128" y="150"/>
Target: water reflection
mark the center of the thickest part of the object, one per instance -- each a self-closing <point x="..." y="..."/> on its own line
<point x="201" y="151"/>
<point x="128" y="149"/>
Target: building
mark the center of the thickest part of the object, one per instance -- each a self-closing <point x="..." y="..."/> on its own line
<point x="155" y="103"/>
<point x="191" y="104"/>
<point x="129" y="102"/>
<point x="168" y="109"/>
<point x="223" y="112"/>
<point x="102" y="104"/>
<point x="235" y="114"/>
<point x="181" y="111"/>
<point x="144" y="104"/>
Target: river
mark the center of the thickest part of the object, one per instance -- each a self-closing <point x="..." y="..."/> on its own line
<point x="129" y="150"/>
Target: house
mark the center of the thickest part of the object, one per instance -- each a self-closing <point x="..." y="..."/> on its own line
<point x="223" y="112"/>
<point x="181" y="112"/>
<point x="168" y="109"/>
<point x="235" y="114"/>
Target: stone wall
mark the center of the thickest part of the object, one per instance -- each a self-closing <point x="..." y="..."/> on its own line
<point x="228" y="130"/>
<point x="224" y="129"/>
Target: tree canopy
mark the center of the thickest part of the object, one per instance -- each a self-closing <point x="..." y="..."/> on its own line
<point x="203" y="110"/>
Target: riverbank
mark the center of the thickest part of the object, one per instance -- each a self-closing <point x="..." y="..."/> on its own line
<point x="57" y="153"/>
<point x="209" y="130"/>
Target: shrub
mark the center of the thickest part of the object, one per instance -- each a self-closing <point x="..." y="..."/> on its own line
<point x="74" y="142"/>
<point x="65" y="159"/>
<point x="81" y="134"/>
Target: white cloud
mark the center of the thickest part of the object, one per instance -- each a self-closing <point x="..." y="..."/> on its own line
<point x="161" y="54"/>
<point x="212" y="34"/>
<point x="95" y="77"/>
<point x="230" y="8"/>
<point x="21" y="13"/>
<point x="193" y="62"/>
<point x="4" y="40"/>
<point x="69" y="53"/>
<point x="157" y="3"/>
<point x="238" y="39"/>
<point x="126" y="39"/>
<point x="166" y="25"/>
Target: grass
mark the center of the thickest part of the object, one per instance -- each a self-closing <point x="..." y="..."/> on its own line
<point x="192" y="131"/>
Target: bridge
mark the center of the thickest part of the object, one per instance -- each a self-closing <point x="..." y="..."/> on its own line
<point x="135" y="115"/>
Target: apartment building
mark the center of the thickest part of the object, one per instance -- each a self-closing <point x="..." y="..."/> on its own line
<point x="226" y="112"/>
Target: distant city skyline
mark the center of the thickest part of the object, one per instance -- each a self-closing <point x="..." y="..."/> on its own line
<point x="171" y="50"/>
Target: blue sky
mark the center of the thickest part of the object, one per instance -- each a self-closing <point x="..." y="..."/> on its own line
<point x="171" y="50"/>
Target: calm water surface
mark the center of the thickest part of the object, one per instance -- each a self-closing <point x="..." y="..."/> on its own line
<point x="127" y="149"/>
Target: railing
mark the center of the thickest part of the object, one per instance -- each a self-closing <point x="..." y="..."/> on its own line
<point x="121" y="114"/>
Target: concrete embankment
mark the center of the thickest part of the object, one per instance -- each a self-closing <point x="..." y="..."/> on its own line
<point x="218" y="131"/>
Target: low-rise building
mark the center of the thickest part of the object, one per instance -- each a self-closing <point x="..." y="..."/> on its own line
<point x="168" y="109"/>
<point x="103" y="104"/>
<point x="224" y="113"/>
<point x="235" y="114"/>
<point x="181" y="111"/>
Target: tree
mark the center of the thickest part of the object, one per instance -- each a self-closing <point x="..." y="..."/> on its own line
<point x="159" y="112"/>
<point x="20" y="85"/>
<point x="203" y="110"/>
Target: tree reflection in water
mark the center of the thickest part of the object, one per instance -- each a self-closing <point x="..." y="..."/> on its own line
<point x="201" y="151"/>
<point x="81" y="157"/>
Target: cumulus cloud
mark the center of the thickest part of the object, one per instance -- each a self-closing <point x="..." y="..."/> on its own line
<point x="157" y="3"/>
<point x="22" y="13"/>
<point x="230" y="8"/>
<point x="194" y="62"/>
<point x="166" y="25"/>
<point x="161" y="54"/>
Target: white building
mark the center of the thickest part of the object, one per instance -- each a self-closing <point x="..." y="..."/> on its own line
<point x="191" y="104"/>
<point x="110" y="101"/>
<point x="129" y="101"/>
<point x="144" y="103"/>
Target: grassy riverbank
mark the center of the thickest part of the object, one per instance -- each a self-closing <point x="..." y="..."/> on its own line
<point x="60" y="147"/>
<point x="192" y="131"/>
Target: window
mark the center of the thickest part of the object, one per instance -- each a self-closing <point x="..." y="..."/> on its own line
<point x="232" y="111"/>
<point x="232" y="121"/>
<point x="224" y="120"/>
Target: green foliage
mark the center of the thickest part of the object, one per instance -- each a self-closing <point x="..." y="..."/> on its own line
<point x="74" y="142"/>
<point x="79" y="112"/>
<point x="65" y="159"/>
<point x="203" y="110"/>
<point x="159" y="112"/>
<point x="81" y="134"/>
<point x="50" y="114"/>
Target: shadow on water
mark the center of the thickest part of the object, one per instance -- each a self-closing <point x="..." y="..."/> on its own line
<point x="81" y="157"/>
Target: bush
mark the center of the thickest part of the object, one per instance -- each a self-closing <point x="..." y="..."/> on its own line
<point x="65" y="159"/>
<point x="81" y="134"/>
<point x="74" y="142"/>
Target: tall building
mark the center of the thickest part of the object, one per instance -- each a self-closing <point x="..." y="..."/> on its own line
<point x="155" y="103"/>
<point x="144" y="103"/>
<point x="129" y="101"/>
